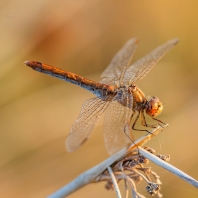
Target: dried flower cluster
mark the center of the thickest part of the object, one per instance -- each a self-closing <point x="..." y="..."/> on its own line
<point x="128" y="165"/>
<point x="131" y="169"/>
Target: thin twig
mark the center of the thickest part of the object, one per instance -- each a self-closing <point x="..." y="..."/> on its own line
<point x="126" y="189"/>
<point x="168" y="167"/>
<point x="114" y="182"/>
<point x="91" y="174"/>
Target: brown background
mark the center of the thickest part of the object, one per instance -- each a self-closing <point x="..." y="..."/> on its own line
<point x="37" y="111"/>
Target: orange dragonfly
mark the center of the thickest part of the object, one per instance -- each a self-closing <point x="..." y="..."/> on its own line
<point x="117" y="95"/>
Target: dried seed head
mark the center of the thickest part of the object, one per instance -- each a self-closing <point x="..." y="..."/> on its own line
<point x="137" y="179"/>
<point x="109" y="185"/>
<point x="153" y="188"/>
<point x="158" y="181"/>
<point x="131" y="169"/>
<point x="150" y="150"/>
<point x="159" y="195"/>
<point x="166" y="158"/>
<point x="143" y="160"/>
<point x="147" y="170"/>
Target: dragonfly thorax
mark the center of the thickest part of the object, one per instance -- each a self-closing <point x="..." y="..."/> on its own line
<point x="138" y="95"/>
<point x="124" y="96"/>
<point x="121" y="92"/>
<point x="154" y="107"/>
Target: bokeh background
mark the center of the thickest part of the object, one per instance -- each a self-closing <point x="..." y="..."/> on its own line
<point x="37" y="111"/>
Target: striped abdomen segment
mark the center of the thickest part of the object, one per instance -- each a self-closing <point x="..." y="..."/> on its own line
<point x="101" y="90"/>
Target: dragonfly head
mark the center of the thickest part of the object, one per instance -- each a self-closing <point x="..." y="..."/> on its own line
<point x="154" y="107"/>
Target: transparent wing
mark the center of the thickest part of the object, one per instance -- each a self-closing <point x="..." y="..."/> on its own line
<point x="140" y="68"/>
<point x="119" y="63"/>
<point x="116" y="118"/>
<point x="80" y="131"/>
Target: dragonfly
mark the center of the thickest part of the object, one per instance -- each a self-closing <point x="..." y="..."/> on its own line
<point x="116" y="94"/>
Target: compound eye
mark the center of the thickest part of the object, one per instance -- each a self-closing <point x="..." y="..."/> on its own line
<point x="154" y="107"/>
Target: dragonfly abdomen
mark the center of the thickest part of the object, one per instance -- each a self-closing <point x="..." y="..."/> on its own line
<point x="100" y="90"/>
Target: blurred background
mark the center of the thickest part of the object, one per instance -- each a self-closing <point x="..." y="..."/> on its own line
<point x="37" y="111"/>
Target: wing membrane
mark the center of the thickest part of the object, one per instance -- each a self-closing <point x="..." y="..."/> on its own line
<point x="140" y="68"/>
<point x="119" y="63"/>
<point x="80" y="131"/>
<point x="116" y="118"/>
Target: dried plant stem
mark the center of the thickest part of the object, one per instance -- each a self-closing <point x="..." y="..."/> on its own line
<point x="168" y="167"/>
<point x="88" y="176"/>
<point x="91" y="174"/>
<point x="114" y="182"/>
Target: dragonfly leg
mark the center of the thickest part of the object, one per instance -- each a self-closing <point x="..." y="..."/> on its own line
<point x="159" y="121"/>
<point x="131" y="135"/>
<point x="144" y="123"/>
<point x="136" y="119"/>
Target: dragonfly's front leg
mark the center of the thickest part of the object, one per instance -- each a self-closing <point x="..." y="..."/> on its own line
<point x="143" y="121"/>
<point x="136" y="119"/>
<point x="162" y="123"/>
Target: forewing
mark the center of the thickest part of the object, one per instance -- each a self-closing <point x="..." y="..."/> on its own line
<point x="140" y="68"/>
<point x="115" y="121"/>
<point x="119" y="63"/>
<point x="80" y="131"/>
